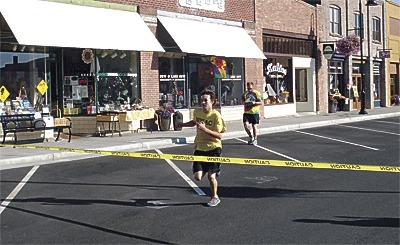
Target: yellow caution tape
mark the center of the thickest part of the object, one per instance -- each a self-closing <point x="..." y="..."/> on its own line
<point x="223" y="160"/>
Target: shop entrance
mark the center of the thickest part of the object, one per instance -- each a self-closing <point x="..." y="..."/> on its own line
<point x="356" y="88"/>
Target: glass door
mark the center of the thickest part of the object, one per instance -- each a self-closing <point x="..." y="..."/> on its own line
<point x="356" y="91"/>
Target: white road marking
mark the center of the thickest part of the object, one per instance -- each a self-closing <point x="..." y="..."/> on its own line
<point x="263" y="179"/>
<point x="184" y="176"/>
<point x="387" y="122"/>
<point x="17" y="189"/>
<point x="372" y="130"/>
<point x="265" y="149"/>
<point x="342" y="141"/>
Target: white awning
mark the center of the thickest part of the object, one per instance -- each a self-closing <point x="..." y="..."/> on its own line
<point x="54" y="24"/>
<point x="211" y="39"/>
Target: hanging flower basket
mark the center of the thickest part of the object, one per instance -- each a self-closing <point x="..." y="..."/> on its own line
<point x="348" y="45"/>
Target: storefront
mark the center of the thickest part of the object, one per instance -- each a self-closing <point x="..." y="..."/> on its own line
<point x="377" y="84"/>
<point x="194" y="61"/>
<point x="289" y="75"/>
<point x="85" y="69"/>
<point x="356" y="85"/>
<point x="394" y="70"/>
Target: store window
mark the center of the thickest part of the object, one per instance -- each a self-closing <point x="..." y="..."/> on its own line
<point x="357" y="24"/>
<point x="376" y="29"/>
<point x="335" y="26"/>
<point x="278" y="86"/>
<point x="335" y="74"/>
<point x="222" y="75"/>
<point x="301" y="85"/>
<point x="117" y="80"/>
<point x="113" y="74"/>
<point x="172" y="83"/>
<point x="22" y="69"/>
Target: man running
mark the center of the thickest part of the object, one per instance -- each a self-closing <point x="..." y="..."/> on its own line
<point x="210" y="127"/>
<point x="252" y="100"/>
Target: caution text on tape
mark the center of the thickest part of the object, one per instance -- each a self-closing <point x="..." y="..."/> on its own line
<point x="223" y="160"/>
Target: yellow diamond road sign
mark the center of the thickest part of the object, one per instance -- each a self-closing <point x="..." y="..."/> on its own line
<point x="42" y="87"/>
<point x="4" y="93"/>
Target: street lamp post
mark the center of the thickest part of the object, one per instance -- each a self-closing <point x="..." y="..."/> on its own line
<point x="369" y="3"/>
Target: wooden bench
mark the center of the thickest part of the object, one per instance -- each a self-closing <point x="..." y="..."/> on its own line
<point x="28" y="123"/>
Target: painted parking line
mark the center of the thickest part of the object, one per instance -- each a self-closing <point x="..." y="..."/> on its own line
<point x="184" y="176"/>
<point x="17" y="189"/>
<point x="372" y="130"/>
<point x="269" y="150"/>
<point x="397" y="123"/>
<point x="341" y="141"/>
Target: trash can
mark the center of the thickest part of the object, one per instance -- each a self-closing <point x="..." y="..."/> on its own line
<point x="177" y="119"/>
<point x="164" y="120"/>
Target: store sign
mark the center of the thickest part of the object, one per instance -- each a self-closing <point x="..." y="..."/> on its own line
<point x="42" y="87"/>
<point x="338" y="57"/>
<point x="276" y="69"/>
<point x="4" y="94"/>
<point x="211" y="5"/>
<point x="328" y="50"/>
<point x="232" y="78"/>
<point x="172" y="78"/>
<point x="87" y="56"/>
<point x="384" y="54"/>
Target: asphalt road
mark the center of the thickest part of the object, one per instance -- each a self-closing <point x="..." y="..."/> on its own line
<point x="117" y="200"/>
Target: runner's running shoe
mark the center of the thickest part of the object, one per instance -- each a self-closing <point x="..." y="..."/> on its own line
<point x="213" y="202"/>
<point x="250" y="141"/>
<point x="254" y="142"/>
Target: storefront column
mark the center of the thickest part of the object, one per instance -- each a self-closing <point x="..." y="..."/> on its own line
<point x="322" y="84"/>
<point x="369" y="79"/>
<point x="348" y="68"/>
<point x="149" y="63"/>
<point x="253" y="68"/>
<point x="383" y="86"/>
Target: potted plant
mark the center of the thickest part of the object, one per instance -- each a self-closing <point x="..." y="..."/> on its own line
<point x="348" y="45"/>
<point x="164" y="117"/>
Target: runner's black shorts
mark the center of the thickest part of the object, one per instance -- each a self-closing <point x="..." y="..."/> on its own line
<point x="207" y="166"/>
<point x="251" y="118"/>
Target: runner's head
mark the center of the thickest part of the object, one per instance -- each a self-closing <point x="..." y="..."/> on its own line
<point x="207" y="98"/>
<point x="249" y="86"/>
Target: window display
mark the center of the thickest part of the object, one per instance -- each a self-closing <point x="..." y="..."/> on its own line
<point x="79" y="95"/>
<point x="222" y="75"/>
<point x="278" y="89"/>
<point x="172" y="91"/>
<point x="115" y="91"/>
<point x="20" y="73"/>
<point x="172" y="82"/>
<point x="99" y="80"/>
<point x="219" y="74"/>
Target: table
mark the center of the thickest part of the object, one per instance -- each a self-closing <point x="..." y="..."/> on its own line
<point x="117" y="117"/>
<point x="140" y="115"/>
<point x="110" y="117"/>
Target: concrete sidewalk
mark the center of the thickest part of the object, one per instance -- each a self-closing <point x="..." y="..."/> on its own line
<point x="18" y="157"/>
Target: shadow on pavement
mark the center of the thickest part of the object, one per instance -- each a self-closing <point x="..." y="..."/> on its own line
<point x="356" y="221"/>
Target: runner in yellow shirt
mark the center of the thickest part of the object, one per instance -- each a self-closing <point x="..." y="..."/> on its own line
<point x="252" y="100"/>
<point x="210" y="127"/>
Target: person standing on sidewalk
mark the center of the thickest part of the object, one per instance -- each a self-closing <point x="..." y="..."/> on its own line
<point x="252" y="100"/>
<point x="210" y="127"/>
